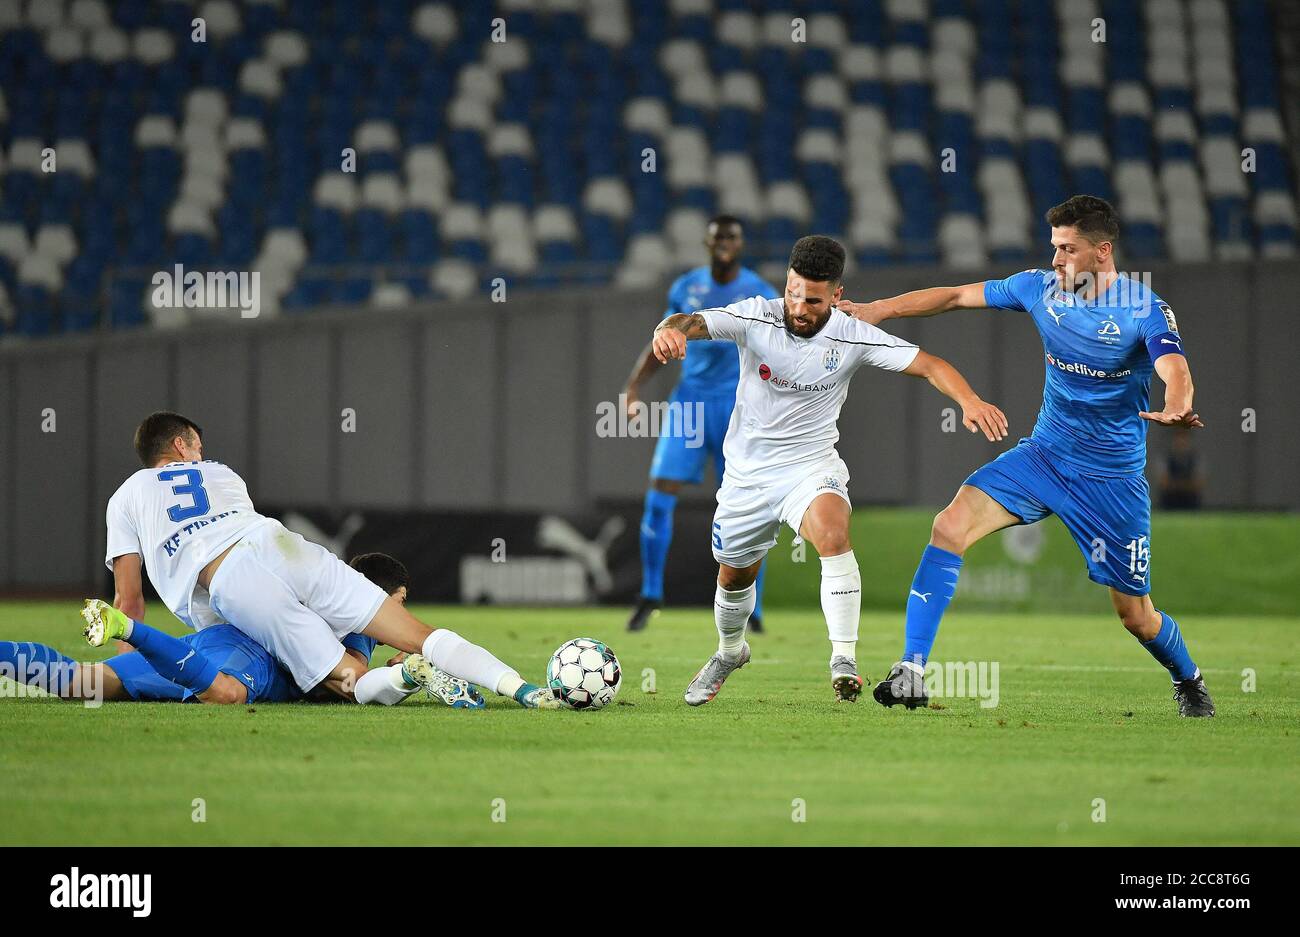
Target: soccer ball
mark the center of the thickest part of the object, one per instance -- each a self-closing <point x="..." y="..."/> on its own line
<point x="584" y="673"/>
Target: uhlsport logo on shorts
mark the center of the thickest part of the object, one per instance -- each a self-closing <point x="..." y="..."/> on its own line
<point x="103" y="890"/>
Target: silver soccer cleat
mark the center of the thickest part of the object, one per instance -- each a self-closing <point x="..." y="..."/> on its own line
<point x="712" y="675"/>
<point x="845" y="680"/>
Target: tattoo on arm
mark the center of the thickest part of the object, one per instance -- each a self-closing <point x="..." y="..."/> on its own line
<point x="692" y="326"/>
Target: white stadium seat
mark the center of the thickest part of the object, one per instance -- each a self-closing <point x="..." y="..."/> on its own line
<point x="608" y="196"/>
<point x="109" y="45"/>
<point x="286" y="48"/>
<point x="384" y="192"/>
<point x="435" y="22"/>
<point x="336" y="190"/>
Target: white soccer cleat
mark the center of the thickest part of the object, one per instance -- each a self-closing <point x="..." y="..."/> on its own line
<point x="437" y="684"/>
<point x="712" y="675"/>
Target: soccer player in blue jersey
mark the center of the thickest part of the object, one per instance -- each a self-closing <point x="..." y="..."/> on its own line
<point x="707" y="386"/>
<point x="1103" y="334"/>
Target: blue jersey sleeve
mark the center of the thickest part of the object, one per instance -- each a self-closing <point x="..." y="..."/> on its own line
<point x="767" y="290"/>
<point x="675" y="295"/>
<point x="1018" y="291"/>
<point x="1159" y="330"/>
<point x="363" y="644"/>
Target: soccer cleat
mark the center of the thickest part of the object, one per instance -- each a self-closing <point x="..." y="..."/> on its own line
<point x="1193" y="698"/>
<point x="712" y="675"/>
<point x="641" y="615"/>
<point x="530" y="696"/>
<point x="903" y="685"/>
<point x="438" y="684"/>
<point x="103" y="622"/>
<point x="756" y="624"/>
<point x="845" y="680"/>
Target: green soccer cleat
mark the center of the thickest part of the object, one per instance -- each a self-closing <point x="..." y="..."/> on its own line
<point x="103" y="622"/>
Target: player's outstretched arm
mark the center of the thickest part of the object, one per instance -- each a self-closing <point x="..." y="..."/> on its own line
<point x="976" y="415"/>
<point x="645" y="368"/>
<point x="928" y="302"/>
<point x="1173" y="370"/>
<point x="672" y="334"/>
<point x="128" y="586"/>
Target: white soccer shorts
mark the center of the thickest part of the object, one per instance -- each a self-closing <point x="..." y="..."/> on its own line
<point x="749" y="517"/>
<point x="295" y="598"/>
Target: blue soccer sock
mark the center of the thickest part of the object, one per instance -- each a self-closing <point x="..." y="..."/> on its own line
<point x="37" y="665"/>
<point x="1170" y="649"/>
<point x="656" y="535"/>
<point x="174" y="659"/>
<point x="932" y="589"/>
<point x="758" y="591"/>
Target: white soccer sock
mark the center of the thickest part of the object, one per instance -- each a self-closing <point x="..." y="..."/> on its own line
<point x="383" y="685"/>
<point x="731" y="611"/>
<point x="842" y="602"/>
<point x="448" y="651"/>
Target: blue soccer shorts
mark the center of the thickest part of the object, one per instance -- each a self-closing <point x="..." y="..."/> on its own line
<point x="1109" y="517"/>
<point x="236" y="654"/>
<point x="688" y="440"/>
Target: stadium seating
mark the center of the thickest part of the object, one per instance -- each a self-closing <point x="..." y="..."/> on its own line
<point x="361" y="152"/>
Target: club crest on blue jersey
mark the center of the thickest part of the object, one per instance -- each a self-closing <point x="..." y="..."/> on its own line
<point x="831" y="360"/>
<point x="1170" y="321"/>
<point x="1109" y="331"/>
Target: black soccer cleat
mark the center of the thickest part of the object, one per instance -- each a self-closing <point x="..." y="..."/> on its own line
<point x="1193" y="698"/>
<point x="755" y="624"/>
<point x="903" y="685"/>
<point x="645" y="608"/>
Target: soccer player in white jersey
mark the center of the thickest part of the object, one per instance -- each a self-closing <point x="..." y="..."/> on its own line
<point x="191" y="525"/>
<point x="797" y="354"/>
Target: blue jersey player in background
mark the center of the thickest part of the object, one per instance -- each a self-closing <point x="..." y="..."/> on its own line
<point x="1103" y="334"/>
<point x="707" y="388"/>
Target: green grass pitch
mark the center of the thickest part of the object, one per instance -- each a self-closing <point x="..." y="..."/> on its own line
<point x="1083" y="714"/>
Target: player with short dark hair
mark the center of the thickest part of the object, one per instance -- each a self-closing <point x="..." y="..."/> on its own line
<point x="155" y="433"/>
<point x="707" y="386"/>
<point x="1103" y="334"/>
<point x="385" y="571"/>
<point x="797" y="355"/>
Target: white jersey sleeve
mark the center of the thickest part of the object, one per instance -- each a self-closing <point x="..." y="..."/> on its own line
<point x="732" y="323"/>
<point x="122" y="538"/>
<point x="880" y="349"/>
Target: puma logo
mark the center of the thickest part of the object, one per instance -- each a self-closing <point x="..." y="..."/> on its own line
<point x="180" y="664"/>
<point x="926" y="597"/>
<point x="1056" y="315"/>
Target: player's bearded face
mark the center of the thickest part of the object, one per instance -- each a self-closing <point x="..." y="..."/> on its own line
<point x="1075" y="260"/>
<point x="808" y="304"/>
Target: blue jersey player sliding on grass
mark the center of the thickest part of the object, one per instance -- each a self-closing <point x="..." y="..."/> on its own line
<point x="708" y="386"/>
<point x="1103" y="334"/>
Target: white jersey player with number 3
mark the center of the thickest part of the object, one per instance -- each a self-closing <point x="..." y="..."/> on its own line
<point x="191" y="525"/>
<point x="797" y="355"/>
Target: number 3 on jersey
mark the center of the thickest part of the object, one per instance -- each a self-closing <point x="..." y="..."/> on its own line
<point x="193" y="488"/>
